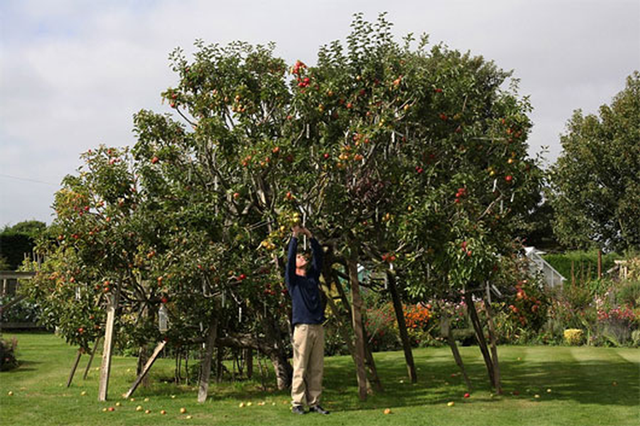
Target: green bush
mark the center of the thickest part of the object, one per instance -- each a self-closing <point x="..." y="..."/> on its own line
<point x="8" y="359"/>
<point x="629" y="294"/>
<point x="23" y="311"/>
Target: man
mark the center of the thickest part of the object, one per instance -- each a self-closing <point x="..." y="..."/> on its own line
<point x="303" y="283"/>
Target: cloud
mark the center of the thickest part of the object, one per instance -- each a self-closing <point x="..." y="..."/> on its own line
<point x="74" y="72"/>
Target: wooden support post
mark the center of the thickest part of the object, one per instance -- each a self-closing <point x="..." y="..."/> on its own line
<point x="75" y="366"/>
<point x="599" y="264"/>
<point x="146" y="369"/>
<point x="482" y="342"/>
<point x="93" y="353"/>
<point x="205" y="364"/>
<point x="357" y="326"/>
<point x="105" y="368"/>
<point x="402" y="327"/>
<point x="445" y="327"/>
<point x="494" y="346"/>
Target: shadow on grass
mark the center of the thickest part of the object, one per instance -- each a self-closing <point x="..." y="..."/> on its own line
<point x="23" y="366"/>
<point x="581" y="382"/>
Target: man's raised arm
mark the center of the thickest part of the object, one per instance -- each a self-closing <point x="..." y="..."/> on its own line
<point x="290" y="268"/>
<point x="317" y="256"/>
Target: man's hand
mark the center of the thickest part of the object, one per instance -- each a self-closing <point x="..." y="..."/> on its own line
<point x="297" y="230"/>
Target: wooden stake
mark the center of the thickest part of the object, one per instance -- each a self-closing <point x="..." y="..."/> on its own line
<point x="75" y="366"/>
<point x="445" y="327"/>
<point x="599" y="264"/>
<point x="494" y="347"/>
<point x="105" y="369"/>
<point x="402" y="327"/>
<point x="482" y="342"/>
<point x="93" y="352"/>
<point x="146" y="369"/>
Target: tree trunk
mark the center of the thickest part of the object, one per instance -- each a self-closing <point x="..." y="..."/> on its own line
<point x="248" y="361"/>
<point x="343" y="326"/>
<point x="482" y="342"/>
<point x="445" y="328"/>
<point x="219" y="355"/>
<point x="402" y="327"/>
<point x="205" y="365"/>
<point x="369" y="362"/>
<point x="143" y="357"/>
<point x="357" y="325"/>
<point x="278" y="356"/>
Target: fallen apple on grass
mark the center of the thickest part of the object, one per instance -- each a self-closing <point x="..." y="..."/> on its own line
<point x="450" y="404"/>
<point x="387" y="411"/>
<point x="183" y="410"/>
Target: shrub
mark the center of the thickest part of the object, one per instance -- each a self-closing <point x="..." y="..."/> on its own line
<point x="628" y="294"/>
<point x="23" y="311"/>
<point x="573" y="336"/>
<point x="8" y="359"/>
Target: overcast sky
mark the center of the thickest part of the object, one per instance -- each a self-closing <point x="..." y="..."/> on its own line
<point x="72" y="73"/>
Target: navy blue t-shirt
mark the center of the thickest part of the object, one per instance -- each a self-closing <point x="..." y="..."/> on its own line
<point x="305" y="290"/>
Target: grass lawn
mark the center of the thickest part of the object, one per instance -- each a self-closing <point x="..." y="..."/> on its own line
<point x="580" y="381"/>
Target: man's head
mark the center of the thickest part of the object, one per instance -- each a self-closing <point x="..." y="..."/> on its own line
<point x="302" y="260"/>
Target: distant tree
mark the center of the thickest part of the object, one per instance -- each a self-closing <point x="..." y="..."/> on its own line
<point x="596" y="180"/>
<point x="19" y="239"/>
<point x="32" y="228"/>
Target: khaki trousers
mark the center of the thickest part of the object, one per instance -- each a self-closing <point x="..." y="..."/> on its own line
<point x="308" y="364"/>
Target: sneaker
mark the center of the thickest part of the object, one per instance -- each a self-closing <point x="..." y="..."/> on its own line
<point x="318" y="409"/>
<point x="298" y="409"/>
